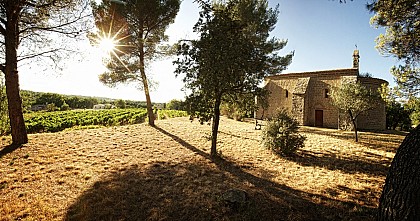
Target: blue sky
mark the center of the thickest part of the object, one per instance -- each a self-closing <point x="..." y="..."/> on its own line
<point x="323" y="34"/>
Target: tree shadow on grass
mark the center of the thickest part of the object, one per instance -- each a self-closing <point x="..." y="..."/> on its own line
<point x="344" y="164"/>
<point x="193" y="190"/>
<point x="8" y="149"/>
<point x="380" y="140"/>
<point x="237" y="136"/>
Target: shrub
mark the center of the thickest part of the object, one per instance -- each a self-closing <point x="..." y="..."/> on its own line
<point x="281" y="134"/>
<point x="65" y="107"/>
<point x="51" y="107"/>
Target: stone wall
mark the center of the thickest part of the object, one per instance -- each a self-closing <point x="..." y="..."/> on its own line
<point x="277" y="98"/>
<point x="374" y="119"/>
<point x="318" y="101"/>
<point x="304" y="93"/>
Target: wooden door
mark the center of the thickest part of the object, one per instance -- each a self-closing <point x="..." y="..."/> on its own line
<point x="319" y="118"/>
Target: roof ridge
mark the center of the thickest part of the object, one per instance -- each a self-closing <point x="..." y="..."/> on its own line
<point x="339" y="71"/>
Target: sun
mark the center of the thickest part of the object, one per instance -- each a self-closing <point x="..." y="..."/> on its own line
<point x="107" y="45"/>
<point x="110" y="46"/>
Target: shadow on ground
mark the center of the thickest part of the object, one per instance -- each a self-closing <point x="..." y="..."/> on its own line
<point x="381" y="140"/>
<point x="344" y="164"/>
<point x="193" y="191"/>
<point x="8" y="149"/>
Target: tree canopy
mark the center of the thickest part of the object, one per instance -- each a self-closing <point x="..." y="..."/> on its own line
<point x="26" y="28"/>
<point x="231" y="57"/>
<point x="137" y="28"/>
<point x="400" y="197"/>
<point x="353" y="99"/>
<point x="401" y="20"/>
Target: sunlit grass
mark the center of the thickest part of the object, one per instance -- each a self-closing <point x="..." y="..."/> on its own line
<point x="164" y="172"/>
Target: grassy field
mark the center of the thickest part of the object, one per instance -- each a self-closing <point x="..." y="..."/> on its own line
<point x="137" y="172"/>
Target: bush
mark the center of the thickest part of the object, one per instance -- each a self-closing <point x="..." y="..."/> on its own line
<point x="65" y="107"/>
<point x="232" y="111"/>
<point x="281" y="134"/>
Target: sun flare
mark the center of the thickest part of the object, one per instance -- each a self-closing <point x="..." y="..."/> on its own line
<point x="110" y="46"/>
<point x="107" y="45"/>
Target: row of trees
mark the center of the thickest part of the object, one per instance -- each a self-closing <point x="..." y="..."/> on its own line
<point x="79" y="102"/>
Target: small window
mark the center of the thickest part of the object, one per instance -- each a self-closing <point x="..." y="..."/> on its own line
<point x="287" y="93"/>
<point x="326" y="93"/>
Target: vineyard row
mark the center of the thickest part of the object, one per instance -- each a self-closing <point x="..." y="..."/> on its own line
<point x="60" y="120"/>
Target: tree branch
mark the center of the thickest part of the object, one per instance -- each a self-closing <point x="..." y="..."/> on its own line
<point x="39" y="54"/>
<point x="32" y="4"/>
<point x="54" y="28"/>
<point x="2" y="29"/>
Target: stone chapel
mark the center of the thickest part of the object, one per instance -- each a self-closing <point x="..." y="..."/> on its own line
<point x="306" y="96"/>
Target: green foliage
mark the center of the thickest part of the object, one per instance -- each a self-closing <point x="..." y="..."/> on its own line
<point x="78" y="102"/>
<point x="65" y="107"/>
<point x="232" y="111"/>
<point x="28" y="99"/>
<point x="401" y="39"/>
<point x="140" y="28"/>
<point x="175" y="104"/>
<point x="120" y="104"/>
<point x="413" y="105"/>
<point x="396" y="112"/>
<point x="401" y="20"/>
<point x="4" y="117"/>
<point x="135" y="104"/>
<point x="74" y="102"/>
<point x="165" y="114"/>
<point x="281" y="134"/>
<point x="239" y="106"/>
<point x="51" y="107"/>
<point x="38" y="122"/>
<point x="232" y="56"/>
<point x="408" y="78"/>
<point x="396" y="116"/>
<point x="50" y="98"/>
<point x="354" y="99"/>
<point x="57" y="121"/>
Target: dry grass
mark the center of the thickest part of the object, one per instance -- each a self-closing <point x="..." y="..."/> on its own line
<point x="143" y="173"/>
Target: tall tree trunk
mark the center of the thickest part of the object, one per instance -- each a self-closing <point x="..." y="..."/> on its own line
<point x="353" y="120"/>
<point x="17" y="123"/>
<point x="215" y="126"/>
<point x="150" y="113"/>
<point x="400" y="199"/>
